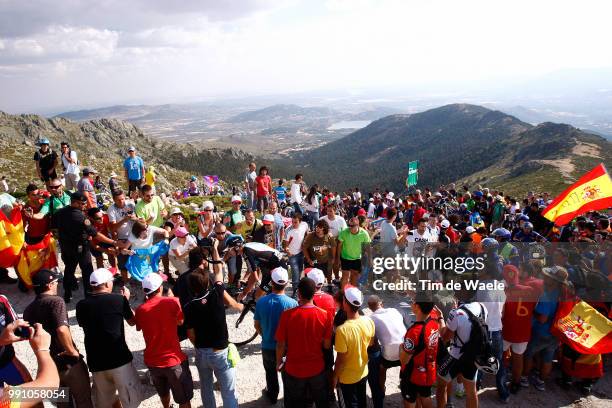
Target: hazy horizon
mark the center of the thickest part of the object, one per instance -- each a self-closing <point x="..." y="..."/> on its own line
<point x="84" y="54"/>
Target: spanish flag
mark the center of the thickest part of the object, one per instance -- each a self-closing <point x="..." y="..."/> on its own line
<point x="12" y="237"/>
<point x="583" y="328"/>
<point x="592" y="192"/>
<point x="33" y="258"/>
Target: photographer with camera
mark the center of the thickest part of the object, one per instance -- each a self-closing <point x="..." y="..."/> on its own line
<point x="49" y="310"/>
<point x="121" y="217"/>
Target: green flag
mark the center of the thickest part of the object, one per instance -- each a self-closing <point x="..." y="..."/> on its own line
<point x="413" y="173"/>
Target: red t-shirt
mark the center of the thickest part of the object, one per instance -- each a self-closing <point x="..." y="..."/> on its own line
<point x="518" y="312"/>
<point x="326" y="302"/>
<point x="36" y="228"/>
<point x="537" y="284"/>
<point x="418" y="214"/>
<point x="264" y="185"/>
<point x="303" y="329"/>
<point x="423" y="371"/>
<point x="452" y="235"/>
<point x="158" y="318"/>
<point x="103" y="226"/>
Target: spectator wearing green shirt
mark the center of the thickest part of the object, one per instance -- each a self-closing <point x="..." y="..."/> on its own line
<point x="56" y="201"/>
<point x="350" y="250"/>
<point x="151" y="208"/>
<point x="234" y="216"/>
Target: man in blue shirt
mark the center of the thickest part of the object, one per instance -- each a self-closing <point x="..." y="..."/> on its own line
<point x="134" y="170"/>
<point x="280" y="192"/>
<point x="267" y="315"/>
<point x="542" y="342"/>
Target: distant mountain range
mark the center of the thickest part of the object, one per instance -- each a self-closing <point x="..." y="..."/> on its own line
<point x="459" y="142"/>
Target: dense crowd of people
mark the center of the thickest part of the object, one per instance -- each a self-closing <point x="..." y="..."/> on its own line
<point x="306" y="253"/>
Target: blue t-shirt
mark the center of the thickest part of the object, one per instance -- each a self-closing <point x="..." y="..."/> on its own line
<point x="281" y="193"/>
<point x="268" y="312"/>
<point x="547" y="305"/>
<point x="134" y="166"/>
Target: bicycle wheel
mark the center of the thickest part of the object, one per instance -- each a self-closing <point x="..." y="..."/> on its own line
<point x="241" y="326"/>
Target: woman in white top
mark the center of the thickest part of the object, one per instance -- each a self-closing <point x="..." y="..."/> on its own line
<point x="311" y="205"/>
<point x="180" y="246"/>
<point x="143" y="235"/>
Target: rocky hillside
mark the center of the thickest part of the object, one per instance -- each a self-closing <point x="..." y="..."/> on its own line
<point x="459" y="142"/>
<point x="103" y="144"/>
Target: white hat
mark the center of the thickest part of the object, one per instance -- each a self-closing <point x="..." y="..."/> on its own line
<point x="113" y="174"/>
<point x="371" y="199"/>
<point x="100" y="277"/>
<point x="176" y="210"/>
<point x="470" y="230"/>
<point x="236" y="198"/>
<point x="316" y="275"/>
<point x="152" y="282"/>
<point x="268" y="219"/>
<point x="208" y="205"/>
<point x="354" y="296"/>
<point x="280" y="276"/>
<point x="445" y="224"/>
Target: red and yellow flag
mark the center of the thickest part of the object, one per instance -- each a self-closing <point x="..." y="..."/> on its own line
<point x="33" y="258"/>
<point x="583" y="328"/>
<point x="12" y="237"/>
<point x="592" y="192"/>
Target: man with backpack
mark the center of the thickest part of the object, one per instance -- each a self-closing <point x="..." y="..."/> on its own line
<point x="470" y="348"/>
<point x="418" y="356"/>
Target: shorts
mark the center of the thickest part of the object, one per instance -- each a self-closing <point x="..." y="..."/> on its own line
<point x="544" y="346"/>
<point x="134" y="185"/>
<point x="122" y="380"/>
<point x="450" y="368"/>
<point x="14" y="373"/>
<point x="517" y="348"/>
<point x="176" y="379"/>
<point x="265" y="285"/>
<point x="350" y="265"/>
<point x="411" y="391"/>
<point x="97" y="254"/>
<point x="121" y="258"/>
<point x="389" y="364"/>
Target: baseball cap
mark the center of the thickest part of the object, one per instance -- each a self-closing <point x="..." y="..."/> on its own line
<point x="181" y="232"/>
<point x="236" y="199"/>
<point x="470" y="230"/>
<point x="268" y="219"/>
<point x="371" y="199"/>
<point x="100" y="277"/>
<point x="45" y="277"/>
<point x="152" y="282"/>
<point x="316" y="275"/>
<point x="361" y="211"/>
<point x="353" y="296"/>
<point x="280" y="276"/>
<point x="131" y="149"/>
<point x="445" y="224"/>
<point x="77" y="196"/>
<point x="113" y="174"/>
<point x="208" y="205"/>
<point x="89" y="170"/>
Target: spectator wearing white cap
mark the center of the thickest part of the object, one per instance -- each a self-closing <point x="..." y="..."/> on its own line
<point x="206" y="220"/>
<point x="268" y="234"/>
<point x="353" y="338"/>
<point x="181" y="244"/>
<point x="234" y="217"/>
<point x="158" y="318"/>
<point x="294" y="237"/>
<point x="101" y="316"/>
<point x="134" y="170"/>
<point x="267" y="315"/>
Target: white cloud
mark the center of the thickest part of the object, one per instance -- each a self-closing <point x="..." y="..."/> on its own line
<point x="148" y="49"/>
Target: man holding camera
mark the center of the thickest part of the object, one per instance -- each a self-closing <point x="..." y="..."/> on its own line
<point x="49" y="310"/>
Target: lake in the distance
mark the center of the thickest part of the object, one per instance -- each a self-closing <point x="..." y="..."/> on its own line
<point x="349" y="124"/>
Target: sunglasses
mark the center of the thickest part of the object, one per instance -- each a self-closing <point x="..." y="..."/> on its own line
<point x="55" y="187"/>
<point x="208" y="210"/>
<point x="99" y="218"/>
<point x="353" y="225"/>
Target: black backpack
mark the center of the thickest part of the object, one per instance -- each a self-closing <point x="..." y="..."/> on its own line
<point x="478" y="348"/>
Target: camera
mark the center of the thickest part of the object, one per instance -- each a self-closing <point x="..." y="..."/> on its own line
<point x="206" y="243"/>
<point x="23" y="332"/>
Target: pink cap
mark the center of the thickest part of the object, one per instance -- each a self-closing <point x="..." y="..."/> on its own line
<point x="181" y="232"/>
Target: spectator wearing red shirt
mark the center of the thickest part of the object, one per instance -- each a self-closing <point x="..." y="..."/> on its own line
<point x="101" y="223"/>
<point x="158" y="318"/>
<point x="36" y="229"/>
<point x="418" y="356"/>
<point x="419" y="212"/>
<point x="516" y="321"/>
<point x="303" y="332"/>
<point x="263" y="188"/>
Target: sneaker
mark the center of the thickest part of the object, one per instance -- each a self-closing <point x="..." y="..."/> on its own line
<point x="267" y="396"/>
<point x="524" y="382"/>
<point x="565" y="384"/>
<point x="515" y="388"/>
<point x="585" y="390"/>
<point x="504" y="399"/>
<point x="538" y="383"/>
